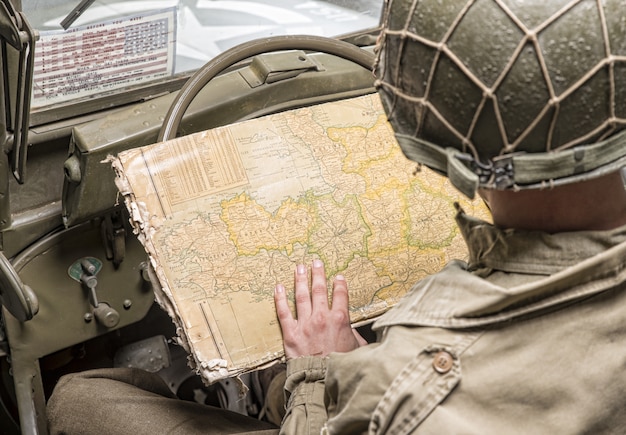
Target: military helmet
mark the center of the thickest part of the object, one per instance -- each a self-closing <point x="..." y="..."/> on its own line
<point x="506" y="94"/>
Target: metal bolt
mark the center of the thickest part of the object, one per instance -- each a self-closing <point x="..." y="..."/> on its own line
<point x="127" y="304"/>
<point x="88" y="317"/>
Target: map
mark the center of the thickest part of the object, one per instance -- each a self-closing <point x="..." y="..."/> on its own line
<point x="227" y="213"/>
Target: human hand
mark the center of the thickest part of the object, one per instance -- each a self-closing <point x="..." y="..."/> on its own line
<point x="318" y="329"/>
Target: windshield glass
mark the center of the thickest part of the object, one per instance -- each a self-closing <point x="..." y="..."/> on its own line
<point x="114" y="45"/>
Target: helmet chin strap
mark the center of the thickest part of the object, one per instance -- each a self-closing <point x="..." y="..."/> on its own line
<point x="519" y="171"/>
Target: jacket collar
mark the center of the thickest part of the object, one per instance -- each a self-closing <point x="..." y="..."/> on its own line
<point x="566" y="267"/>
<point x="531" y="252"/>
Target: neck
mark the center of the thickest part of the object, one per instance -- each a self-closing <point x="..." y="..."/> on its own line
<point x="598" y="204"/>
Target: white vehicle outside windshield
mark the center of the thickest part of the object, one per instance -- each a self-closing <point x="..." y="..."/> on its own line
<point x="114" y="45"/>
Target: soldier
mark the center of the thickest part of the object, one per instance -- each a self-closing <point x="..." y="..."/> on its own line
<point x="524" y="103"/>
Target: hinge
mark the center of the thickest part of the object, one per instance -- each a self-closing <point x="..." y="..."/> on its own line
<point x="114" y="237"/>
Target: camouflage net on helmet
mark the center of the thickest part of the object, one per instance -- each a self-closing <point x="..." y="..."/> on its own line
<point x="493" y="78"/>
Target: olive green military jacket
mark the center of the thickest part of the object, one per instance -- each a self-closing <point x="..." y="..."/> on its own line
<point x="529" y="337"/>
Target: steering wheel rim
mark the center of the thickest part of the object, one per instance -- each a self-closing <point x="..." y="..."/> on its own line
<point x="241" y="52"/>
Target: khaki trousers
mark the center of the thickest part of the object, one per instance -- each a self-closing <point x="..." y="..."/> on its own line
<point x="134" y="402"/>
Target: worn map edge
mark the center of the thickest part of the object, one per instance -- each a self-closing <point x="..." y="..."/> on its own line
<point x="146" y="224"/>
<point x="213" y="370"/>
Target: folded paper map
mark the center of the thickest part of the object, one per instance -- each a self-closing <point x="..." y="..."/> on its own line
<point x="227" y="213"/>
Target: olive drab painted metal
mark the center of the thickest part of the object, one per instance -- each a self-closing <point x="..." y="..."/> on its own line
<point x="512" y="111"/>
<point x="89" y="190"/>
<point x="75" y="285"/>
<point x="17" y="33"/>
<point x="17" y="39"/>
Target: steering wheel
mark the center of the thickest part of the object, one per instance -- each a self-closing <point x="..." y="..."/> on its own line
<point x="241" y="52"/>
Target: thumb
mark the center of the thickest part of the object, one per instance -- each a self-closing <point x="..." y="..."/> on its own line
<point x="359" y="338"/>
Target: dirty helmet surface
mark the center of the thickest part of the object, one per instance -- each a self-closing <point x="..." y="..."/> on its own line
<point x="507" y="94"/>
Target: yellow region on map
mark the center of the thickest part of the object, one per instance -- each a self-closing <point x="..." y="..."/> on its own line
<point x="227" y="214"/>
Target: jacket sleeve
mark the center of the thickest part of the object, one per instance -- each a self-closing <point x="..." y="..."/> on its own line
<point x="304" y="389"/>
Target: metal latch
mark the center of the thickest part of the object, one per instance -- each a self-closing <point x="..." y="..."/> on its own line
<point x="274" y="67"/>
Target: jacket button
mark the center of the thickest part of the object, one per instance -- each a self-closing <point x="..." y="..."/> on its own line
<point x="443" y="362"/>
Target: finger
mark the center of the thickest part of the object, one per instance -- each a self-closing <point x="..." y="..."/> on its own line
<point x="319" y="289"/>
<point x="303" y="298"/>
<point x="340" y="294"/>
<point x="285" y="318"/>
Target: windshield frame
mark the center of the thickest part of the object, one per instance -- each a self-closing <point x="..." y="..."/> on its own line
<point x="82" y="106"/>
